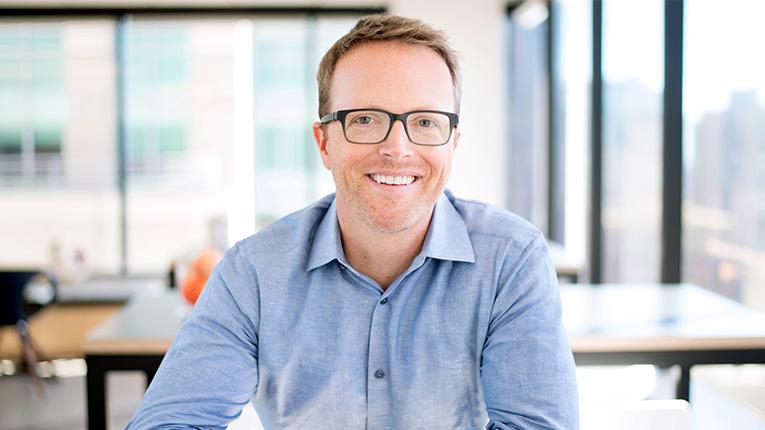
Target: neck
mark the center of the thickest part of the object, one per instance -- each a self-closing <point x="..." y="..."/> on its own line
<point x="380" y="255"/>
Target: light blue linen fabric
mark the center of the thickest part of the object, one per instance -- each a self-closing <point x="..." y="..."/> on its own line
<point x="468" y="337"/>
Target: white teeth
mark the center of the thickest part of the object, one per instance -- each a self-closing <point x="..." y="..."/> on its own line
<point x="392" y="180"/>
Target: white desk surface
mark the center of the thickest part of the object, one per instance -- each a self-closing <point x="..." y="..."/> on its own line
<point x="602" y="318"/>
<point x="146" y="325"/>
<point x="657" y="317"/>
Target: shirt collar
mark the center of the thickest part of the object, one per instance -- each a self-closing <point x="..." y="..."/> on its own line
<point x="447" y="237"/>
<point x="327" y="242"/>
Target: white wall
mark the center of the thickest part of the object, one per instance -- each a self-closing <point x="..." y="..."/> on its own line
<point x="475" y="31"/>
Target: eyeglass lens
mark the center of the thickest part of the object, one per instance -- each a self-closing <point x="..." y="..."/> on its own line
<point x="424" y="128"/>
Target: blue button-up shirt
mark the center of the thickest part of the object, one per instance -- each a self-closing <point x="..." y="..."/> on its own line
<point x="468" y="337"/>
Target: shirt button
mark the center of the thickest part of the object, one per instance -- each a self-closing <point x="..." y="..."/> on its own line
<point x="342" y="267"/>
<point x="379" y="374"/>
<point x="384" y="301"/>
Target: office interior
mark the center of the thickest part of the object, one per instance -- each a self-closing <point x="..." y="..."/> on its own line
<point x="139" y="140"/>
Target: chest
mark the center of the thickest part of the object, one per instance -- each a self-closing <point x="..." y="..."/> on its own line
<point x="329" y="315"/>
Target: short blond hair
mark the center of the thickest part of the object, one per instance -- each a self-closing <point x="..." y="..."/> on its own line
<point x="380" y="28"/>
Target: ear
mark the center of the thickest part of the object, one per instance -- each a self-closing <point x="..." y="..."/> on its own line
<point x="457" y="135"/>
<point x="322" y="143"/>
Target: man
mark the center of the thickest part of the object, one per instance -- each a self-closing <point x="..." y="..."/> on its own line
<point x="390" y="304"/>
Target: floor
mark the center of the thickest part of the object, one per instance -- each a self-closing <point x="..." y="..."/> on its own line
<point x="723" y="397"/>
<point x="62" y="407"/>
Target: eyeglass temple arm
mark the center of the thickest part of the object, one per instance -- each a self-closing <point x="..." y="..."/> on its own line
<point x="328" y="117"/>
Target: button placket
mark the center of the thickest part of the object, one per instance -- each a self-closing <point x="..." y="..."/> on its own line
<point x="378" y="392"/>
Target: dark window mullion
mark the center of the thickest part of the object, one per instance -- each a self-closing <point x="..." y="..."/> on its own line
<point x="596" y="147"/>
<point x="672" y="143"/>
<point x="556" y="150"/>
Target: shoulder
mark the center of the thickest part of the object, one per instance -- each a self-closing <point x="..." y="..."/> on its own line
<point x="291" y="233"/>
<point x="508" y="246"/>
<point x="488" y="222"/>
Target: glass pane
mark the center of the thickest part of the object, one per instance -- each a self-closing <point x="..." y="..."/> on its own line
<point x="573" y="44"/>
<point x="185" y="105"/>
<point x="633" y="65"/>
<point x="724" y="143"/>
<point x="328" y="29"/>
<point x="218" y="121"/>
<point x="33" y="109"/>
<point x="58" y="194"/>
<point x="528" y="98"/>
<point x="289" y="173"/>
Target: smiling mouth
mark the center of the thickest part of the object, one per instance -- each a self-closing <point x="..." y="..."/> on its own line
<point x="392" y="180"/>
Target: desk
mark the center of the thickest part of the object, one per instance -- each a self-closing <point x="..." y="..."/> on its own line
<point x="58" y="330"/>
<point x="136" y="338"/>
<point x="663" y="325"/>
<point x="607" y="324"/>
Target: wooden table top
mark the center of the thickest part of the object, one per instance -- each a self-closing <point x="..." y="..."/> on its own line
<point x="58" y="330"/>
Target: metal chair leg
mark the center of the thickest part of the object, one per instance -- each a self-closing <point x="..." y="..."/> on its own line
<point x="30" y="356"/>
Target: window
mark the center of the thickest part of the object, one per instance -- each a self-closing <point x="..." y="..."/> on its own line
<point x="632" y="140"/>
<point x="529" y="87"/>
<point x="289" y="172"/>
<point x="572" y="42"/>
<point x="218" y="118"/>
<point x="724" y="144"/>
<point x="179" y="121"/>
<point x="58" y="195"/>
<point x="216" y="113"/>
<point x="548" y="93"/>
<point x="156" y="71"/>
<point x="32" y="113"/>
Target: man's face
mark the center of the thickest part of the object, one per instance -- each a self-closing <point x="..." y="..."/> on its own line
<point x="399" y="78"/>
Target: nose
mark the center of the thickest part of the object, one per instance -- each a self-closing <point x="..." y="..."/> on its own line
<point x="397" y="144"/>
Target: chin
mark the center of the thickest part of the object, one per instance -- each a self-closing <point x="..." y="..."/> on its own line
<point x="390" y="227"/>
<point x="385" y="223"/>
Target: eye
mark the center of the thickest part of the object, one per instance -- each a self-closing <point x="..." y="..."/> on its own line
<point x="426" y="123"/>
<point x="362" y="120"/>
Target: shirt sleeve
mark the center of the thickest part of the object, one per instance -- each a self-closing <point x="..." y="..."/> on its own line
<point x="527" y="369"/>
<point x="211" y="370"/>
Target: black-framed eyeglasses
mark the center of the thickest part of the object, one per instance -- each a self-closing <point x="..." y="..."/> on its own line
<point x="371" y="126"/>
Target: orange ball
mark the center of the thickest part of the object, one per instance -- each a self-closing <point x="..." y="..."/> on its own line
<point x="198" y="272"/>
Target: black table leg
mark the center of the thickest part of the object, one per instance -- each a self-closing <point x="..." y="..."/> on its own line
<point x="98" y="366"/>
<point x="684" y="383"/>
<point x="96" y="395"/>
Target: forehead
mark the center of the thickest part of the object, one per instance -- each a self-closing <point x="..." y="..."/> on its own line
<point x="395" y="76"/>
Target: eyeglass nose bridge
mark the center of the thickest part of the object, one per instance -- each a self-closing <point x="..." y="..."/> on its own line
<point x="398" y="117"/>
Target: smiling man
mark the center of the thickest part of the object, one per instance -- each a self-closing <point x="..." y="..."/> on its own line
<point x="390" y="304"/>
<point x="389" y="170"/>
